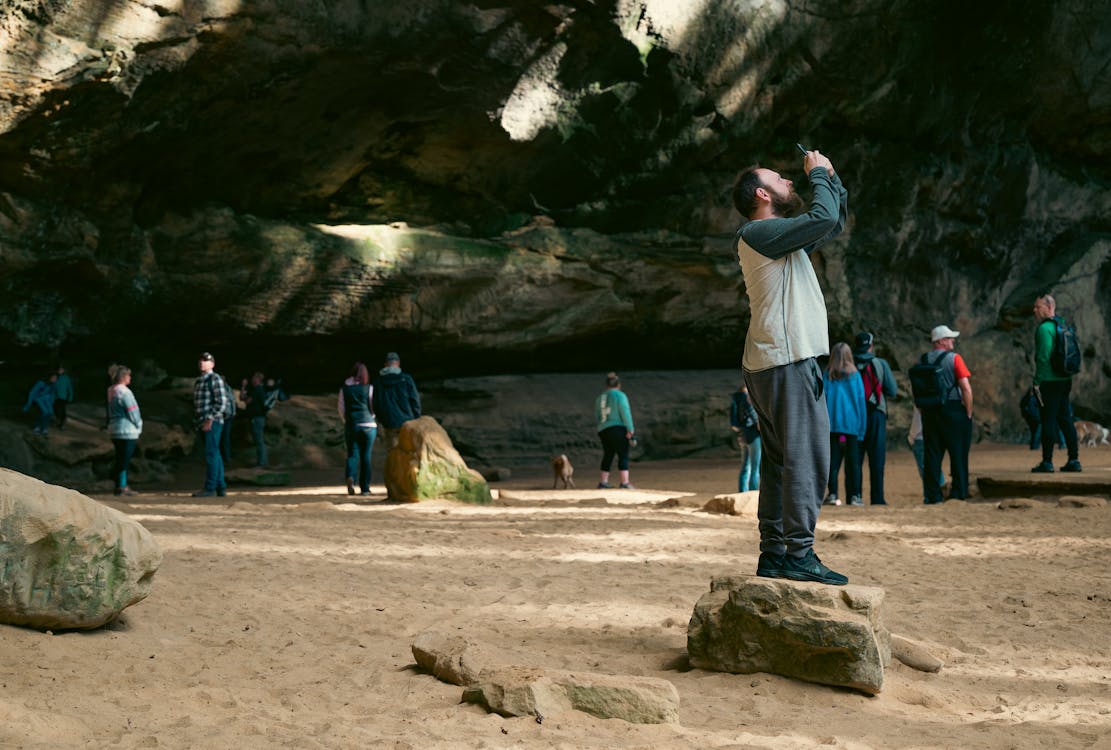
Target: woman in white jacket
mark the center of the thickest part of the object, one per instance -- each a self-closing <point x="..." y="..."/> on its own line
<point x="125" y="424"/>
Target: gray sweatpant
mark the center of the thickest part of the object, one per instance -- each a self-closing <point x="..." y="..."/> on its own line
<point x="794" y="427"/>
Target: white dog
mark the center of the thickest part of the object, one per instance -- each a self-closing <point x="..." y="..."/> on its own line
<point x="1091" y="434"/>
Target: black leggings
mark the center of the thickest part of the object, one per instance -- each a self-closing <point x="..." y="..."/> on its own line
<point x="614" y="442"/>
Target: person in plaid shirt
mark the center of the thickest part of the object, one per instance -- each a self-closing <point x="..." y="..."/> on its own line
<point x="209" y="405"/>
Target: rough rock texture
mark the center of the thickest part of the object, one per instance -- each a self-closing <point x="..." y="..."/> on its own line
<point x="734" y="504"/>
<point x="506" y="186"/>
<point x="495" y="683"/>
<point x="67" y="561"/>
<point x="452" y="658"/>
<point x="824" y="634"/>
<point x="1081" y="501"/>
<point x="531" y="691"/>
<point x="915" y="655"/>
<point x="425" y="465"/>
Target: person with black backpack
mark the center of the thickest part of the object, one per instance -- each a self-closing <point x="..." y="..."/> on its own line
<point x="943" y="393"/>
<point x="1056" y="360"/>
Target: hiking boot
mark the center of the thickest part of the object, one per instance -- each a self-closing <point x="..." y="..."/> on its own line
<point x="831" y="499"/>
<point x="204" y="493"/>
<point x="222" y="492"/>
<point x="626" y="486"/>
<point x="856" y="500"/>
<point x="879" y="502"/>
<point x="809" y="568"/>
<point x="350" y="486"/>
<point x="770" y="565"/>
<point x="1072" y="465"/>
<point x="605" y="486"/>
<point x="1043" y="468"/>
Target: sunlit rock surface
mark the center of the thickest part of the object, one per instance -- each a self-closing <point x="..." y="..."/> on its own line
<point x="185" y="175"/>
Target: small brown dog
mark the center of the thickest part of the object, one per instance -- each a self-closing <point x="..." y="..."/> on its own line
<point x="1091" y="434"/>
<point x="562" y="470"/>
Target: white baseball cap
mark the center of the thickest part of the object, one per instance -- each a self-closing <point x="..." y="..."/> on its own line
<point x="943" y="332"/>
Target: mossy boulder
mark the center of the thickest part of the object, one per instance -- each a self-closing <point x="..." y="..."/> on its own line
<point x="66" y="561"/>
<point x="425" y="465"/>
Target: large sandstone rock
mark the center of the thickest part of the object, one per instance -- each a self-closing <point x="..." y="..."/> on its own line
<point x="564" y="174"/>
<point x="425" y="465"/>
<point x="831" y="635"/>
<point x="67" y="561"/>
<point x="531" y="691"/>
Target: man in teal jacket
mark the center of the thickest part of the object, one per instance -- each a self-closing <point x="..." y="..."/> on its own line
<point x="1053" y="389"/>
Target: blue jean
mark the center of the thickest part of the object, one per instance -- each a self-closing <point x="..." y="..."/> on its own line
<point x="360" y="441"/>
<point x="749" y="478"/>
<point x="214" y="462"/>
<point x="258" y="427"/>
<point x="225" y="441"/>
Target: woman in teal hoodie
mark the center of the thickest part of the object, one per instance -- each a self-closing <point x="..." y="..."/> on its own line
<point x="615" y="429"/>
<point x="848" y="420"/>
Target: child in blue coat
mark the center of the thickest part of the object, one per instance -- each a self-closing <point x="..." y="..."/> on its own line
<point x="848" y="420"/>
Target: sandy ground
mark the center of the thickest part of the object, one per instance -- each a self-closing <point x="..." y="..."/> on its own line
<point x="285" y="620"/>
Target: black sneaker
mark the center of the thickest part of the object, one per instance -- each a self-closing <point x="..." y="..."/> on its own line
<point x="204" y="493"/>
<point x="809" y="568"/>
<point x="1043" y="468"/>
<point x="1072" y="465"/>
<point x="605" y="486"/>
<point x="770" y="565"/>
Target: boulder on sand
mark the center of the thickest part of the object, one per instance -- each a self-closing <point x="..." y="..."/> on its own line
<point x="424" y="465"/>
<point x="831" y="635"/>
<point x="68" y="562"/>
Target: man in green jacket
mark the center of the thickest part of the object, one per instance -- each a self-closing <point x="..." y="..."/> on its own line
<point x="1053" y="390"/>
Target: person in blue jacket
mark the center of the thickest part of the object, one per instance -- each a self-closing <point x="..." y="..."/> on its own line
<point x="42" y="398"/>
<point x="744" y="421"/>
<point x="848" y="421"/>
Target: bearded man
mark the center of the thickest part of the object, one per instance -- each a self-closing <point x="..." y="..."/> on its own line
<point x="786" y="335"/>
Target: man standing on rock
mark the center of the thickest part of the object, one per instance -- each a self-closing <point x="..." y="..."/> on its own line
<point x="1053" y="389"/>
<point x="395" y="400"/>
<point x="786" y="335"/>
<point x="209" y="405"/>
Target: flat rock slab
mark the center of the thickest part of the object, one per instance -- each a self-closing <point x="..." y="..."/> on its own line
<point x="66" y="561"/>
<point x="1094" y="481"/>
<point x="531" y="691"/>
<point x="1082" y="501"/>
<point x="734" y="504"/>
<point x="832" y="635"/>
<point x="258" y="477"/>
<point x="612" y="496"/>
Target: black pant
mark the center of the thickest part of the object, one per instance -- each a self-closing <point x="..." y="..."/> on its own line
<point x="847" y="448"/>
<point x="615" y="442"/>
<point x="60" y="412"/>
<point x="1056" y="414"/>
<point x="946" y="428"/>
<point x="875" y="447"/>
<point x="125" y="449"/>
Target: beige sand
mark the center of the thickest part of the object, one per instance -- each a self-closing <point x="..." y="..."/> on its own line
<point x="285" y="620"/>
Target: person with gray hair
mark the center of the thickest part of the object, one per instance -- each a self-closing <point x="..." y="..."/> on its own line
<point x="787" y="333"/>
<point x="125" y="425"/>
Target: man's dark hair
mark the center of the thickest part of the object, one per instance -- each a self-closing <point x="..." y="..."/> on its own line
<point x="744" y="191"/>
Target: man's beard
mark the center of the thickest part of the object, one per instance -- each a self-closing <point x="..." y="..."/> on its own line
<point x="788" y="206"/>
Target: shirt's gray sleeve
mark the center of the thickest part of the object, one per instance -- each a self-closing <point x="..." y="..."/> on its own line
<point x="826" y="218"/>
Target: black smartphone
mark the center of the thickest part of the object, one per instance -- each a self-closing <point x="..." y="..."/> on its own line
<point x="801" y="148"/>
